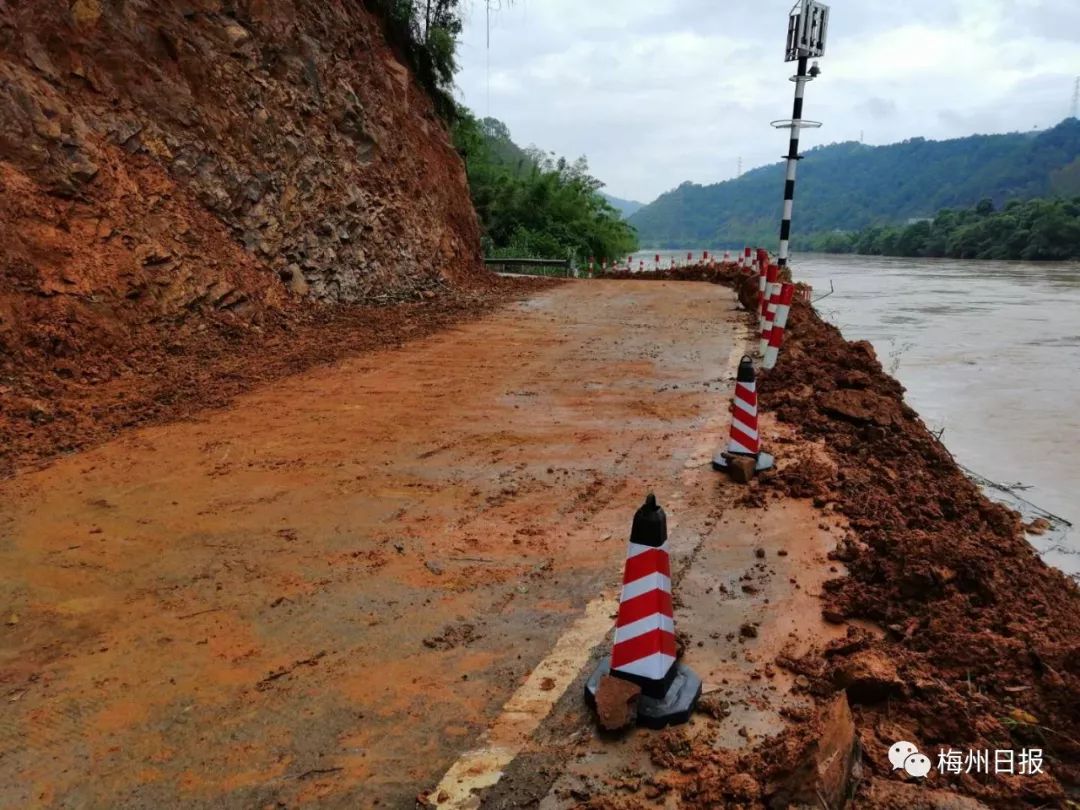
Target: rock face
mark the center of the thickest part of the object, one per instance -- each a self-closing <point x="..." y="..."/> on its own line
<point x="142" y="142"/>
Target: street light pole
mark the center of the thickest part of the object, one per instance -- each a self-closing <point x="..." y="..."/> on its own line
<point x="806" y="39"/>
<point x="793" y="158"/>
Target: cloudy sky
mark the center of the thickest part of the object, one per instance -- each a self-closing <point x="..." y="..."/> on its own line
<point x="656" y="92"/>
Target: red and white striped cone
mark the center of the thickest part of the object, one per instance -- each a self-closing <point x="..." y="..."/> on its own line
<point x="748" y="259"/>
<point x="657" y="261"/>
<point x="776" y="337"/>
<point x="643" y="651"/>
<point x="765" y="285"/>
<point x="770" y="315"/>
<point x="744" y="440"/>
<point x="641" y="265"/>
<point x="705" y="257"/>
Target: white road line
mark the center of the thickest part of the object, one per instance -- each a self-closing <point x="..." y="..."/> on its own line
<point x="523" y="713"/>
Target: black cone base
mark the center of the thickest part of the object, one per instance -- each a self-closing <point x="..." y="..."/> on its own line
<point x="673" y="709"/>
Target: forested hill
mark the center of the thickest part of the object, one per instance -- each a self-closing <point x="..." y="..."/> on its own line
<point x="849" y="186"/>
<point x="625" y="207"/>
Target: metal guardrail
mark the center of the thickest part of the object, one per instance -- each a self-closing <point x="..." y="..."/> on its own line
<point x="532" y="267"/>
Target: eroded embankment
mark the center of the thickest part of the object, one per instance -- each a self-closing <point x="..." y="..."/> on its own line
<point x="983" y="639"/>
<point x="177" y="182"/>
<point x="960" y="638"/>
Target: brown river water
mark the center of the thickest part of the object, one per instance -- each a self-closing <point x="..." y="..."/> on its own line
<point x="989" y="353"/>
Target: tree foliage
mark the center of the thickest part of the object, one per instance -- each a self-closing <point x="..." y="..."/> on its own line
<point x="533" y="204"/>
<point x="850" y="186"/>
<point x="425" y="33"/>
<point x="1031" y="229"/>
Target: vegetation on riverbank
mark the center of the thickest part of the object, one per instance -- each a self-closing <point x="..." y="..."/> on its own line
<point x="1032" y="229"/>
<point x="533" y="204"/>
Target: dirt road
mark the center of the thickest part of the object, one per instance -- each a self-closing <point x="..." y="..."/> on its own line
<point x="335" y="589"/>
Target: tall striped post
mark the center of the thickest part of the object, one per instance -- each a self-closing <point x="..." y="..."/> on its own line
<point x="776" y="336"/>
<point x="643" y="651"/>
<point x="768" y="281"/>
<point x="793" y="158"/>
<point x="770" y="314"/>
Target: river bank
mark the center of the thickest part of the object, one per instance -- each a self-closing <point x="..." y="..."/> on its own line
<point x="959" y="637"/>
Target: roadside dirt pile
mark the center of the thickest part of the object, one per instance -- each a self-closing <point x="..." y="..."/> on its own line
<point x="177" y="178"/>
<point x="982" y="639"/>
<point x="716" y="274"/>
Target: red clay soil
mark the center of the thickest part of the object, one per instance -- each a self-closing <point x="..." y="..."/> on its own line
<point x="978" y="640"/>
<point x="983" y="636"/>
<point x="83" y="373"/>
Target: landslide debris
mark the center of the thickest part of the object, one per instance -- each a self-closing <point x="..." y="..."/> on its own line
<point x="180" y="184"/>
<point x="979" y="626"/>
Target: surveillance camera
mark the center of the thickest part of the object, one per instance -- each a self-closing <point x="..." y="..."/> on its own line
<point x="815" y="70"/>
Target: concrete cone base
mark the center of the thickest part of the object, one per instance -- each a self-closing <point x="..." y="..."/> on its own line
<point x="764" y="462"/>
<point x="673" y="709"/>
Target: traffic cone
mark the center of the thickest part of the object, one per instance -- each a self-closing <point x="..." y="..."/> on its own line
<point x="744" y="439"/>
<point x="776" y="336"/>
<point x="644" y="648"/>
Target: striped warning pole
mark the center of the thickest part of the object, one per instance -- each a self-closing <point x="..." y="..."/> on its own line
<point x="765" y="285"/>
<point x="776" y="335"/>
<point x="644" y="646"/>
<point x="770" y="312"/>
<point x="727" y="257"/>
<point x="744" y="439"/>
<point x="641" y="265"/>
<point x="657" y="261"/>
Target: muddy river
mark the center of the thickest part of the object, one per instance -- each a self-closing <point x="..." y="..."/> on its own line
<point x="989" y="352"/>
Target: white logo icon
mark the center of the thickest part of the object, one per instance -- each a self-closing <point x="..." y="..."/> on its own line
<point x="905" y="755"/>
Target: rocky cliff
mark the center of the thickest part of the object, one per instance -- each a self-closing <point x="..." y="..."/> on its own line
<point x="180" y="174"/>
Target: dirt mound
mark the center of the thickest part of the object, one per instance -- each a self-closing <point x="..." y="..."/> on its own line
<point x="983" y="639"/>
<point x="716" y="274"/>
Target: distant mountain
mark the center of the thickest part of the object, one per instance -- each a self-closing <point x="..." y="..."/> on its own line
<point x="625" y="207"/>
<point x="849" y="186"/>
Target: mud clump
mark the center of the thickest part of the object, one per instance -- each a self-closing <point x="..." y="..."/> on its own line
<point x="616" y="703"/>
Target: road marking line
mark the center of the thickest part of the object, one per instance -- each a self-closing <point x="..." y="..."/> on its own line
<point x="526" y="709"/>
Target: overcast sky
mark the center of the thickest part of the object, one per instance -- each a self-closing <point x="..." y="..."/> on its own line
<point x="656" y="92"/>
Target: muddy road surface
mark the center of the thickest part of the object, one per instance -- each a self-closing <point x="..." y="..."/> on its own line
<point x="334" y="590"/>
